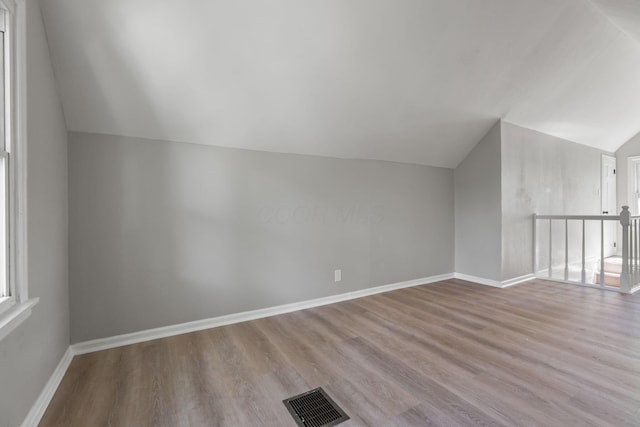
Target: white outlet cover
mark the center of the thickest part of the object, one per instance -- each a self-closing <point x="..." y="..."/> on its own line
<point x="337" y="275"/>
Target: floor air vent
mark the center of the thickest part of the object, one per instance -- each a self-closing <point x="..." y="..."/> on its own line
<point x="315" y="409"/>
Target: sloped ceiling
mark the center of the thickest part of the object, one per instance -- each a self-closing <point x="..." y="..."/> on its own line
<point x="623" y="13"/>
<point x="417" y="81"/>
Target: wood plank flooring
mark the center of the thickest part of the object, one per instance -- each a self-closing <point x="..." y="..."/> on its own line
<point x="451" y="353"/>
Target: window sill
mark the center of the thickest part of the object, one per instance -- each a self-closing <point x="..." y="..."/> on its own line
<point x="14" y="315"/>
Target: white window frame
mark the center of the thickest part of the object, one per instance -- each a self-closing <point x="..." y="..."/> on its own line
<point x="16" y="307"/>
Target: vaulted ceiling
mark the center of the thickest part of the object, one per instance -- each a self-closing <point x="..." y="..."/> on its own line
<point x="417" y="81"/>
<point x="623" y="13"/>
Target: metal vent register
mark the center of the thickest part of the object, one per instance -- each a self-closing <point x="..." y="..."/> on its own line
<point x="315" y="409"/>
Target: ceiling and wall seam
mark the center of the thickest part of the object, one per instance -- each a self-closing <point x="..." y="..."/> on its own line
<point x="613" y="22"/>
<point x="381" y="80"/>
<point x="53" y="70"/>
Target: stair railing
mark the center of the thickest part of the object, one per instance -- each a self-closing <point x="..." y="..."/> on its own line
<point x="630" y="276"/>
<point x="629" y="230"/>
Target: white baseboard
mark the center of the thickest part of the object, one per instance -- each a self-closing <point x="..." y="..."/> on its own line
<point x="517" y="280"/>
<point x="479" y="280"/>
<point x="198" y="325"/>
<point x="494" y="283"/>
<point x="42" y="402"/>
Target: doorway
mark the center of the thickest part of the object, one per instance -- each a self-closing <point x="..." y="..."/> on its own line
<point x="609" y="205"/>
<point x="633" y="184"/>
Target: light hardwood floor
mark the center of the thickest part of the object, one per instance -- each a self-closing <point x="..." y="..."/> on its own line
<point x="451" y="353"/>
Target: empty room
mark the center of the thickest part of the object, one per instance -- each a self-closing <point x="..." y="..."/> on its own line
<point x="318" y="213"/>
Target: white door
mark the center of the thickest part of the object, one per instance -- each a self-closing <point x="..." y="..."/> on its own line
<point x="608" y="193"/>
<point x="633" y="172"/>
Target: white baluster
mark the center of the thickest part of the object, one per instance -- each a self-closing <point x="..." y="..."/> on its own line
<point x="550" y="255"/>
<point x="633" y="254"/>
<point x="535" y="245"/>
<point x="601" y="252"/>
<point x="583" y="273"/>
<point x="566" y="249"/>
<point x="636" y="257"/>
<point x="630" y="250"/>
<point x="637" y="276"/>
<point x="624" y="276"/>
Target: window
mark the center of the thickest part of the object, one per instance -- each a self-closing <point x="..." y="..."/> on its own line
<point x="14" y="303"/>
<point x="5" y="150"/>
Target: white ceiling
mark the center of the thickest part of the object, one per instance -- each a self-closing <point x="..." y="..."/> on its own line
<point x="623" y="13"/>
<point x="417" y="81"/>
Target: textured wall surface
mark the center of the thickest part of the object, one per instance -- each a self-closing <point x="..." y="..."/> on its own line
<point x="544" y="175"/>
<point x="165" y="232"/>
<point x="477" y="209"/>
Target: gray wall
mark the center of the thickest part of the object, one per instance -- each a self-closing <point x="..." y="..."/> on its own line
<point x="477" y="209"/>
<point x="545" y="175"/>
<point x="630" y="149"/>
<point x="164" y="232"/>
<point x="30" y="353"/>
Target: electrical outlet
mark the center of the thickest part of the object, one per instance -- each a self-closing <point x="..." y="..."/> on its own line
<point x="337" y="275"/>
